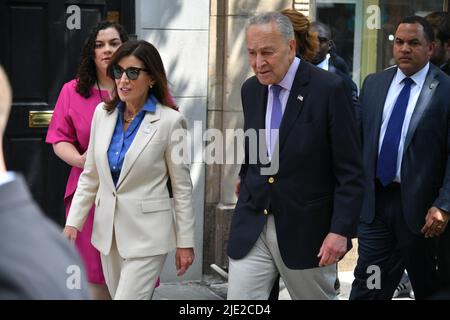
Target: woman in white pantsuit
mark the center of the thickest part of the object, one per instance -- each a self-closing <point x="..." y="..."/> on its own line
<point x="128" y="164"/>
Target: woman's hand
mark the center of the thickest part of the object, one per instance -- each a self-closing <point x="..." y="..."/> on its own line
<point x="69" y="154"/>
<point x="81" y="160"/>
<point x="70" y="233"/>
<point x="183" y="259"/>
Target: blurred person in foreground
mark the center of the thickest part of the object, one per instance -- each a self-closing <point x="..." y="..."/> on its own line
<point x="36" y="261"/>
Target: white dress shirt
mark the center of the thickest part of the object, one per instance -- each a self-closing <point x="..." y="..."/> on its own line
<point x="391" y="98"/>
<point x="286" y="85"/>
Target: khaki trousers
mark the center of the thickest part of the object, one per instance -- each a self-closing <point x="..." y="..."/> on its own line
<point x="131" y="279"/>
<point x="252" y="277"/>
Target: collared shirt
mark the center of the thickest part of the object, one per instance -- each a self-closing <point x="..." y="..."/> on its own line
<point x="6" y="177"/>
<point x="394" y="90"/>
<point x="122" y="140"/>
<point x="325" y="64"/>
<point x="286" y="84"/>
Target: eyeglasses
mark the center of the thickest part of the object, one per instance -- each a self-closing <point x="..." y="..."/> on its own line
<point x="132" y="72"/>
<point x="322" y="39"/>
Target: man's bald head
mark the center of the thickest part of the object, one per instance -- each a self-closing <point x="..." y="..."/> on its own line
<point x="5" y="100"/>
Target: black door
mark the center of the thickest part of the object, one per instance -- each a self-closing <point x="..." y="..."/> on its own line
<point x="40" y="43"/>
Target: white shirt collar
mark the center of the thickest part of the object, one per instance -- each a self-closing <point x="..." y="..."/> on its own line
<point x="325" y="64"/>
<point x="418" y="77"/>
<point x="288" y="79"/>
<point x="6" y="177"/>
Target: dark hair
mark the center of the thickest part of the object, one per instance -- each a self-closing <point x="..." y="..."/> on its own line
<point x="87" y="71"/>
<point x="307" y="41"/>
<point x="151" y="59"/>
<point x="440" y="21"/>
<point x="427" y="29"/>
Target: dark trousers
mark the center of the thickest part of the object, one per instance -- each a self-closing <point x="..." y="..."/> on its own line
<point x="444" y="259"/>
<point x="388" y="243"/>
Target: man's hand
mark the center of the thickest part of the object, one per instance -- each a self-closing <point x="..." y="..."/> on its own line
<point x="333" y="248"/>
<point x="237" y="188"/>
<point x="183" y="259"/>
<point x="435" y="222"/>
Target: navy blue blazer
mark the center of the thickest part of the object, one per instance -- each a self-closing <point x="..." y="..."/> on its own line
<point x="318" y="187"/>
<point x="347" y="79"/>
<point x="425" y="175"/>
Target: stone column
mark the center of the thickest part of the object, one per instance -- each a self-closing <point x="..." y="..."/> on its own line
<point x="179" y="30"/>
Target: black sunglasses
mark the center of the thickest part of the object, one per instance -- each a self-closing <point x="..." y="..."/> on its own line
<point x="132" y="72"/>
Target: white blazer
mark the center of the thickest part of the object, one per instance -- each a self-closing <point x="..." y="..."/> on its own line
<point x="138" y="210"/>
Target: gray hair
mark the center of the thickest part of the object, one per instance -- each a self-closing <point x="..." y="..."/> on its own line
<point x="283" y="23"/>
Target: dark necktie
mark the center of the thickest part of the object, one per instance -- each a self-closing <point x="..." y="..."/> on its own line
<point x="277" y="114"/>
<point x="387" y="159"/>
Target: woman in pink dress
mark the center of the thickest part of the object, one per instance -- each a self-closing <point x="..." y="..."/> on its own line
<point x="70" y="128"/>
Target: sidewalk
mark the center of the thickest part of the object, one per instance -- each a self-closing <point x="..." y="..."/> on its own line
<point x="215" y="288"/>
<point x="212" y="288"/>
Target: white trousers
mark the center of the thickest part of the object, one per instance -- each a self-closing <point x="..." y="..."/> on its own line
<point x="252" y="277"/>
<point x="131" y="279"/>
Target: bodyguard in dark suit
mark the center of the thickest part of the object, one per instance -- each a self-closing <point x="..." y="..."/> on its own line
<point x="440" y="21"/>
<point x="326" y="58"/>
<point x="36" y="261"/>
<point x="406" y="132"/>
<point x="297" y="220"/>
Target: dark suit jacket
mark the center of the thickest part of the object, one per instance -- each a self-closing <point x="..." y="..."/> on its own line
<point x="446" y="68"/>
<point x="347" y="80"/>
<point x="34" y="254"/>
<point x="425" y="175"/>
<point x="318" y="187"/>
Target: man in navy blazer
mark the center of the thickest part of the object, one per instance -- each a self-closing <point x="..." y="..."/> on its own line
<point x="295" y="221"/>
<point x="402" y="215"/>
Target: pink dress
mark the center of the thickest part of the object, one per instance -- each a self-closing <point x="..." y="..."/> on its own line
<point x="71" y="122"/>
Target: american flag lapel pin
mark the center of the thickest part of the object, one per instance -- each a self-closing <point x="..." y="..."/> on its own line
<point x="300" y="98"/>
